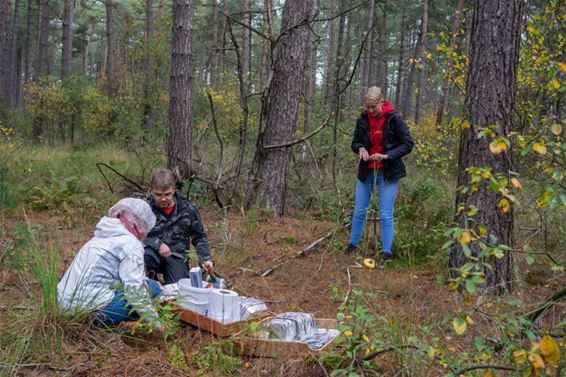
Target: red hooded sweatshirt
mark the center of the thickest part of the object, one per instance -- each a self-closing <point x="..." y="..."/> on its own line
<point x="376" y="134"/>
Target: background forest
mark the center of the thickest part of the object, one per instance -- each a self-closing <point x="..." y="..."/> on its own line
<point x="254" y="104"/>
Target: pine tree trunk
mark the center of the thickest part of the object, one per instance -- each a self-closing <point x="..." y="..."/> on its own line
<point x="327" y="76"/>
<point x="401" y="66"/>
<point x="447" y="76"/>
<point x="266" y="70"/>
<point x="214" y="49"/>
<point x="67" y="39"/>
<point x="490" y="96"/>
<point x="179" y="140"/>
<point x="310" y="79"/>
<point x="149" y="69"/>
<point x="368" y="52"/>
<point x="5" y="39"/>
<point x="269" y="177"/>
<point x="381" y="66"/>
<point x="421" y="57"/>
<point x="246" y="42"/>
<point x="42" y="61"/>
<point x="110" y="54"/>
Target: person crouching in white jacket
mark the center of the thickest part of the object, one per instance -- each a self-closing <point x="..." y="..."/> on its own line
<point x="107" y="276"/>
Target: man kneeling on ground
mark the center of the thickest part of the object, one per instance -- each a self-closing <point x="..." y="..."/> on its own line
<point x="178" y="221"/>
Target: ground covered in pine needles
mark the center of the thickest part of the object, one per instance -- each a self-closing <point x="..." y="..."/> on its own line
<point x="267" y="257"/>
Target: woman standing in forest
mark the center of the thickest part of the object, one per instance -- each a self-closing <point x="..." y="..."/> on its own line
<point x="381" y="139"/>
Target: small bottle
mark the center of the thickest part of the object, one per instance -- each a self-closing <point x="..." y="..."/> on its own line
<point x="195" y="274"/>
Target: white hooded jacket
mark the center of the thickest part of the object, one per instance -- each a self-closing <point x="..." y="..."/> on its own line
<point x="112" y="259"/>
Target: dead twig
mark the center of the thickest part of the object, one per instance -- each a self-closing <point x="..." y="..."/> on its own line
<point x="35" y="366"/>
<point x="253" y="272"/>
<point x="349" y="286"/>
<point x="324" y="124"/>
<point x="99" y="165"/>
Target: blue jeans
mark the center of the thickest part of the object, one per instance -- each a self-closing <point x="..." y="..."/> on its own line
<point x="118" y="310"/>
<point x="387" y="192"/>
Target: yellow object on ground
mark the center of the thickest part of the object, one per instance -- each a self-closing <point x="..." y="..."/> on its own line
<point x="369" y="263"/>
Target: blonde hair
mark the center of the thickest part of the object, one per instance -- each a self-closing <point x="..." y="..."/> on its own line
<point x="374" y="94"/>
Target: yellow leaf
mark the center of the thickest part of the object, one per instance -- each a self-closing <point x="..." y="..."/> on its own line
<point x="540" y="148"/>
<point x="459" y="325"/>
<point x="489" y="373"/>
<point x="348" y="333"/>
<point x="497" y="146"/>
<point x="562" y="66"/>
<point x="504" y="205"/>
<point x="365" y="337"/>
<point x="519" y="357"/>
<point x="465" y="125"/>
<point x="536" y="361"/>
<point x="556" y="129"/>
<point x="555" y="84"/>
<point x="516" y="183"/>
<point x="465" y="238"/>
<point x="550" y="350"/>
<point x="469" y="320"/>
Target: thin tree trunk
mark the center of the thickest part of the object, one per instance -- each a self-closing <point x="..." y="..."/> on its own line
<point x="14" y="78"/>
<point x="327" y="76"/>
<point x="381" y="66"/>
<point x="110" y="54"/>
<point x="409" y="91"/>
<point x="222" y="36"/>
<point x="310" y="79"/>
<point x="246" y="42"/>
<point x="5" y="49"/>
<point x="489" y="102"/>
<point x="422" y="66"/>
<point x="67" y="40"/>
<point x="179" y="140"/>
<point x="447" y="76"/>
<point x="400" y="66"/>
<point x="368" y="52"/>
<point x="266" y="69"/>
<point x="149" y="68"/>
<point x="42" y="61"/>
<point x="269" y="178"/>
<point x="214" y="49"/>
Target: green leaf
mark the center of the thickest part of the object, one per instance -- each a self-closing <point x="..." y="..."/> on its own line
<point x="530" y="260"/>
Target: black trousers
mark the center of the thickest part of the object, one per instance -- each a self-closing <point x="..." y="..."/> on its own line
<point x="173" y="268"/>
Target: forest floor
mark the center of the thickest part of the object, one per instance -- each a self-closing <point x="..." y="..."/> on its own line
<point x="316" y="283"/>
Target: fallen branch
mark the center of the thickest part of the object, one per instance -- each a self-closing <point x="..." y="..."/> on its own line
<point x="547" y="304"/>
<point x="301" y="253"/>
<point x="99" y="164"/>
<point x="475" y="367"/>
<point x="349" y="286"/>
<point x="324" y="124"/>
<point x="35" y="366"/>
<point x="253" y="272"/>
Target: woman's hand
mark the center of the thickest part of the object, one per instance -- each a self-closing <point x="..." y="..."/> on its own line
<point x="364" y="155"/>
<point x="378" y="156"/>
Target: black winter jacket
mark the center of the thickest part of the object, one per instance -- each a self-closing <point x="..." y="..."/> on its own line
<point x="176" y="230"/>
<point x="397" y="142"/>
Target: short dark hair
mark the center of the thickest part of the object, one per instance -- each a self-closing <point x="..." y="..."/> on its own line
<point x="163" y="178"/>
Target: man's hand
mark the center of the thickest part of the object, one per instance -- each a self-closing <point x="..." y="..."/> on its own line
<point x="378" y="156"/>
<point x="209" y="266"/>
<point x="164" y="250"/>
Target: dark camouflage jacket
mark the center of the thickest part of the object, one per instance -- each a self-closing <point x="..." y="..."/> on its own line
<point x="176" y="230"/>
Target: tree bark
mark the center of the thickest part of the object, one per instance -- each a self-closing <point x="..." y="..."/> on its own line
<point x="401" y="66"/>
<point x="422" y="65"/>
<point x="409" y="91"/>
<point x="381" y="66"/>
<point x="327" y="76"/>
<point x="179" y="140"/>
<point x="67" y="39"/>
<point x="266" y="70"/>
<point x="5" y="48"/>
<point x="447" y="76"/>
<point x="310" y="78"/>
<point x="110" y="53"/>
<point x="214" y="50"/>
<point x="246" y="20"/>
<point x="42" y="61"/>
<point x="149" y="68"/>
<point x="268" y="182"/>
<point x="368" y="52"/>
<point x="489" y="102"/>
